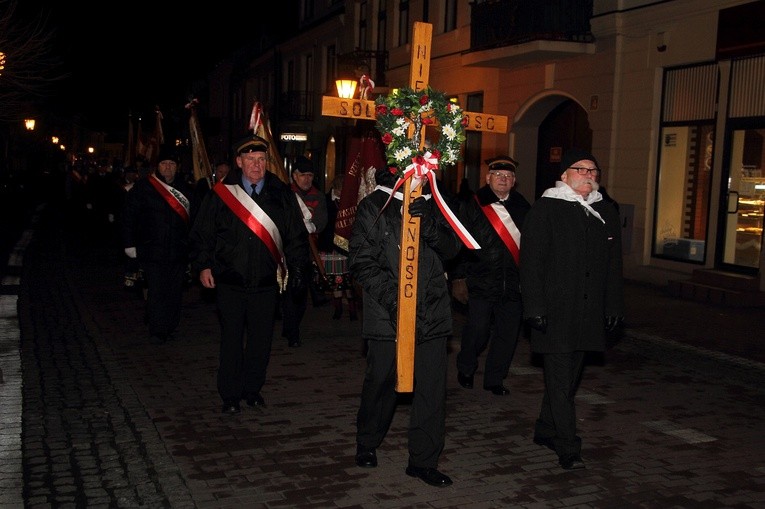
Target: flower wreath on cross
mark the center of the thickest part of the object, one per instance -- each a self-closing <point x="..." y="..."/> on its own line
<point x="405" y="106"/>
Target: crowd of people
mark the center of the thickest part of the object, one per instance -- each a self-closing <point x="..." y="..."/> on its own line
<point x="259" y="247"/>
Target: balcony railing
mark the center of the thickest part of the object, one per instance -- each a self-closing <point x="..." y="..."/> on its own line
<point x="508" y="22"/>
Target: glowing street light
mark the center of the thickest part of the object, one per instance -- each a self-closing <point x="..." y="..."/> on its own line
<point x="345" y="88"/>
<point x="29" y="123"/>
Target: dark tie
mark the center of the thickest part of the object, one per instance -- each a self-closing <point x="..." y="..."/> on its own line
<point x="254" y="193"/>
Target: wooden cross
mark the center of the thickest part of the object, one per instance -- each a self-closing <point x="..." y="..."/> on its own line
<point x="361" y="109"/>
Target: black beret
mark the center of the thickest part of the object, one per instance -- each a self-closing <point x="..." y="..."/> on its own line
<point x="573" y="156"/>
<point x="251" y="143"/>
<point x="502" y="163"/>
<point x="168" y="154"/>
<point x="303" y="165"/>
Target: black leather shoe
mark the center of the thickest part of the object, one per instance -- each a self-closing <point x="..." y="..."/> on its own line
<point x="255" y="400"/>
<point x="498" y="390"/>
<point x="465" y="381"/>
<point x="545" y="442"/>
<point x="365" y="457"/>
<point x="571" y="462"/>
<point x="231" y="407"/>
<point x="429" y="476"/>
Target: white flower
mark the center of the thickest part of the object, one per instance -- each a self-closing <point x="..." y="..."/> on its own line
<point x="399" y="131"/>
<point x="402" y="153"/>
<point x="448" y="131"/>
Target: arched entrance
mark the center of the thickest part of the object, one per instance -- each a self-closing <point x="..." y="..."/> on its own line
<point x="542" y="131"/>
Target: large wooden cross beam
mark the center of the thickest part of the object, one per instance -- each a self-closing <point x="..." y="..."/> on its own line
<point x="360" y="109"/>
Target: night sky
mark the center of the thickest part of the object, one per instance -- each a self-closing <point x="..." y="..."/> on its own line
<point x="125" y="57"/>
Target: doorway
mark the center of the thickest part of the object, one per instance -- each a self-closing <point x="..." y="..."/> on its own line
<point x="566" y="126"/>
<point x="743" y="199"/>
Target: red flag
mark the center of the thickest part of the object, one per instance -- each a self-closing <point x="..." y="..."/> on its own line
<point x="365" y="156"/>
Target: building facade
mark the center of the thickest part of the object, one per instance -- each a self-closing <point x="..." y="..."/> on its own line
<point x="669" y="96"/>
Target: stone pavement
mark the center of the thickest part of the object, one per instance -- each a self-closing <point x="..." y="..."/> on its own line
<point x="671" y="415"/>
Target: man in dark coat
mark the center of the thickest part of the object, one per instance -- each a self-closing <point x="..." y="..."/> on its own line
<point x="487" y="279"/>
<point x="248" y="229"/>
<point x="571" y="279"/>
<point x="374" y="257"/>
<point x="155" y="231"/>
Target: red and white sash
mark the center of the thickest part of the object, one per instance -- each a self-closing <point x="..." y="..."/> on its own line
<point x="505" y="227"/>
<point x="177" y="201"/>
<point x="245" y="208"/>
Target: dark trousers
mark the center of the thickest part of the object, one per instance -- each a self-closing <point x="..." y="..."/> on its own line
<point x="506" y="319"/>
<point x="293" y="309"/>
<point x="247" y="326"/>
<point x="427" y="427"/>
<point x="164" y="295"/>
<point x="557" y="418"/>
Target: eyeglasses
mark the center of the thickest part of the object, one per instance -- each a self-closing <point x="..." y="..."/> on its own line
<point x="503" y="175"/>
<point x="581" y="170"/>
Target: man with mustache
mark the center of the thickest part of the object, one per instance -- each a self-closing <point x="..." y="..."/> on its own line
<point x="571" y="284"/>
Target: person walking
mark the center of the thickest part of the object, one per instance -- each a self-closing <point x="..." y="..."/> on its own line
<point x="248" y="230"/>
<point x="571" y="279"/>
<point x="337" y="269"/>
<point x="155" y="232"/>
<point x="312" y="203"/>
<point x="487" y="279"/>
<point x="374" y="263"/>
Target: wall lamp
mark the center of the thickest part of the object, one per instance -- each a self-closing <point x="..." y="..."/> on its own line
<point x="346" y="88"/>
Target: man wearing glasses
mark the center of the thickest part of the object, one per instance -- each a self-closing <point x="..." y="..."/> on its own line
<point x="487" y="279"/>
<point x="571" y="281"/>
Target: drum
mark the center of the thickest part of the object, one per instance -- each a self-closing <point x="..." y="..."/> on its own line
<point x="334" y="263"/>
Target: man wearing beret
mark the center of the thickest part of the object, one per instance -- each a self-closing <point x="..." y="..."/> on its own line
<point x="155" y="231"/>
<point x="248" y="231"/>
<point x="487" y="279"/>
<point x="571" y="279"/>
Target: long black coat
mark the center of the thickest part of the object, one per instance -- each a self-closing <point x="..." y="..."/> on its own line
<point x="571" y="272"/>
<point x="222" y="242"/>
<point x="152" y="226"/>
<point x="491" y="271"/>
<point x="374" y="263"/>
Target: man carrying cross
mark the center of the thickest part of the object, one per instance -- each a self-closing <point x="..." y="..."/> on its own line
<point x="374" y="263"/>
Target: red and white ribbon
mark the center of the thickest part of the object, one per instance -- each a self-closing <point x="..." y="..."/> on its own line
<point x="255" y="117"/>
<point x="422" y="168"/>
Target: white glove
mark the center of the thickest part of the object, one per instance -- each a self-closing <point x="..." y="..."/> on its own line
<point x="89" y="206"/>
<point x="130" y="252"/>
<point x="111" y="218"/>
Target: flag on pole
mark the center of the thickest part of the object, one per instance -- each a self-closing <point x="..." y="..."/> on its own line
<point x="260" y="127"/>
<point x="157" y="138"/>
<point x="142" y="142"/>
<point x="129" y="160"/>
<point x="365" y="156"/>
<point x="200" y="161"/>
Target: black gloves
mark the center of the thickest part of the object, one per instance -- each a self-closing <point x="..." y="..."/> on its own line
<point x="613" y="323"/>
<point x="296" y="280"/>
<point x="428" y="229"/>
<point x="537" y="322"/>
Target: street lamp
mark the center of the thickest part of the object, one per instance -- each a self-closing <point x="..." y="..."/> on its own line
<point x="29" y="123"/>
<point x="345" y="88"/>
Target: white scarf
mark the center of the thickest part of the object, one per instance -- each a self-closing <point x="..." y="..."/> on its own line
<point x="563" y="191"/>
